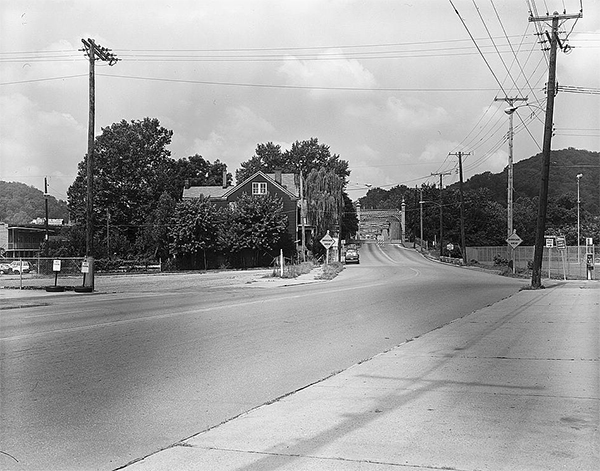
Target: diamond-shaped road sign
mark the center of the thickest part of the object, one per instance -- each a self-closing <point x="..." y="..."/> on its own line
<point x="327" y="241"/>
<point x="514" y="240"/>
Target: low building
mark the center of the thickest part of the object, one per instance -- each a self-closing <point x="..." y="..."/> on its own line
<point x="23" y="240"/>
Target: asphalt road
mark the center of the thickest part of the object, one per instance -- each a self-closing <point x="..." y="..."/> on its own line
<point x="94" y="382"/>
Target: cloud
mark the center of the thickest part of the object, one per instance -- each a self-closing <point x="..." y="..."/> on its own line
<point x="414" y="114"/>
<point x="234" y="138"/>
<point x="324" y="72"/>
<point x="37" y="143"/>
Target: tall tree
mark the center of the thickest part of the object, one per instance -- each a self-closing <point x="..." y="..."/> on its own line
<point x="194" y="229"/>
<point x="267" y="157"/>
<point x="324" y="197"/>
<point x="196" y="171"/>
<point x="349" y="218"/>
<point x="130" y="173"/>
<point x="152" y="240"/>
<point x="254" y="223"/>
<point x="300" y="159"/>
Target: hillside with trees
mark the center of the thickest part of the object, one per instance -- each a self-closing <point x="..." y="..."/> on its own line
<point x="565" y="165"/>
<point x="485" y="198"/>
<point x="20" y="204"/>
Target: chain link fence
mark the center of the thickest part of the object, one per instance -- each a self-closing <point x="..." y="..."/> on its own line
<point x="569" y="263"/>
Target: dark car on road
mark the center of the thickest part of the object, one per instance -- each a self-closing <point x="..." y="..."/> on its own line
<point x="352" y="256"/>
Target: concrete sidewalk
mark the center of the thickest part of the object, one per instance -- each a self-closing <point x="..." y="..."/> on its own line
<point x="514" y="386"/>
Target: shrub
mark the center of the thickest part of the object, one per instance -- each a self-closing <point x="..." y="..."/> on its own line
<point x="331" y="270"/>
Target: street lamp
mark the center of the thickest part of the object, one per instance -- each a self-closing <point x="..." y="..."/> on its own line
<point x="578" y="201"/>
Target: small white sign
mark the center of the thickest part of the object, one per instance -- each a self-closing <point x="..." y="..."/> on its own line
<point x="56" y="265"/>
<point x="549" y="242"/>
<point x="85" y="267"/>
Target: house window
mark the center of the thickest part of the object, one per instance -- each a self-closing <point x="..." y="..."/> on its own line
<point x="259" y="188"/>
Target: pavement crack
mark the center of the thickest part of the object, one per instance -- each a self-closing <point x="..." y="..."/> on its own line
<point x="332" y="458"/>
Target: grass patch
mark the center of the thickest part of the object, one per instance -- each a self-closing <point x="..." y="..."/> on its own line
<point x="293" y="271"/>
<point x="331" y="270"/>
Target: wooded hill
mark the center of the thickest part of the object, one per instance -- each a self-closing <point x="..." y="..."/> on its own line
<point x="20" y="204"/>
<point x="565" y="165"/>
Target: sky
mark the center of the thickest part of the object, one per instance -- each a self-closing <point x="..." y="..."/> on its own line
<point x="394" y="87"/>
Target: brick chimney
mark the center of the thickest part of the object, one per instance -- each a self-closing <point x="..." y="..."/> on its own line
<point x="224" y="178"/>
<point x="278" y="176"/>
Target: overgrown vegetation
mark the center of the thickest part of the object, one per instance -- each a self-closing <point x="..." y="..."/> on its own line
<point x="331" y="270"/>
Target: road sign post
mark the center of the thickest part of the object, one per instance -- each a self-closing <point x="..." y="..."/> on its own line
<point x="327" y="241"/>
<point x="514" y="241"/>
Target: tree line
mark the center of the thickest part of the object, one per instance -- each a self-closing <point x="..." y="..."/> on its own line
<point x="138" y="211"/>
<point x="485" y="218"/>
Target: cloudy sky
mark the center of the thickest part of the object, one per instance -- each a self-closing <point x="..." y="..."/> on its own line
<point x="392" y="86"/>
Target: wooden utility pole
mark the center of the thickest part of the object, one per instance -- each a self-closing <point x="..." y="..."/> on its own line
<point x="463" y="246"/>
<point x="303" y="217"/>
<point x="93" y="52"/>
<point x="441" y="211"/>
<point x="46" y="238"/>
<point x="421" y="214"/>
<point x="536" y="272"/>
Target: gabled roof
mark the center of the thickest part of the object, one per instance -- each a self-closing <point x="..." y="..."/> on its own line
<point x="288" y="180"/>
<point x="288" y="185"/>
<point x="271" y="177"/>
<point x="206" y="191"/>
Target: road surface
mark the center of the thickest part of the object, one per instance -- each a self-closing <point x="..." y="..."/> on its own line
<point x="96" y="381"/>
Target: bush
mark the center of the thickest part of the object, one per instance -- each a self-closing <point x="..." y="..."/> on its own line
<point x="498" y="260"/>
<point x="293" y="271"/>
<point x="331" y="270"/>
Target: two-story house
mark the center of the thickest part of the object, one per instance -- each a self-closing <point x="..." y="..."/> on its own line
<point x="283" y="185"/>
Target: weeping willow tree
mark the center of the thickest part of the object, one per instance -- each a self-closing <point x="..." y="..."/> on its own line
<point x="324" y="200"/>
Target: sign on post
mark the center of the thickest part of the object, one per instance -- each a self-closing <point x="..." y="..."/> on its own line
<point x="85" y="266"/>
<point x="514" y="240"/>
<point x="549" y="241"/>
<point x="561" y="243"/>
<point x="327" y="241"/>
<point x="56" y="265"/>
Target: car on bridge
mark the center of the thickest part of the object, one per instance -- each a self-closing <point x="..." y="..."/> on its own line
<point x="352" y="256"/>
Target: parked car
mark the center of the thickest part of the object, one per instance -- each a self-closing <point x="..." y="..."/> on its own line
<point x="18" y="267"/>
<point x="352" y="256"/>
<point x="5" y="268"/>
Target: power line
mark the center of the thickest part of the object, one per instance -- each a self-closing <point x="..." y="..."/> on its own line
<point x="478" y="48"/>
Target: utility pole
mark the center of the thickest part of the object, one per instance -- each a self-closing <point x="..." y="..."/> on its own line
<point x="536" y="272"/>
<point x="46" y="223"/>
<point x="510" y="110"/>
<point x="93" y="52"/>
<point x="463" y="246"/>
<point x="441" y="211"/>
<point x="303" y="217"/>
<point x="421" y="211"/>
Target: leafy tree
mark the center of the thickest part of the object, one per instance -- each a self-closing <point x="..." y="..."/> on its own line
<point x="193" y="229"/>
<point x="254" y="223"/>
<point x="267" y="157"/>
<point x="152" y="240"/>
<point x="196" y="171"/>
<point x="131" y="161"/>
<point x="324" y="197"/>
<point x="349" y="218"/>
<point x="301" y="159"/>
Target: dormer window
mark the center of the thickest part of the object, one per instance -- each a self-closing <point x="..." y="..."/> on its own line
<point x="259" y="188"/>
